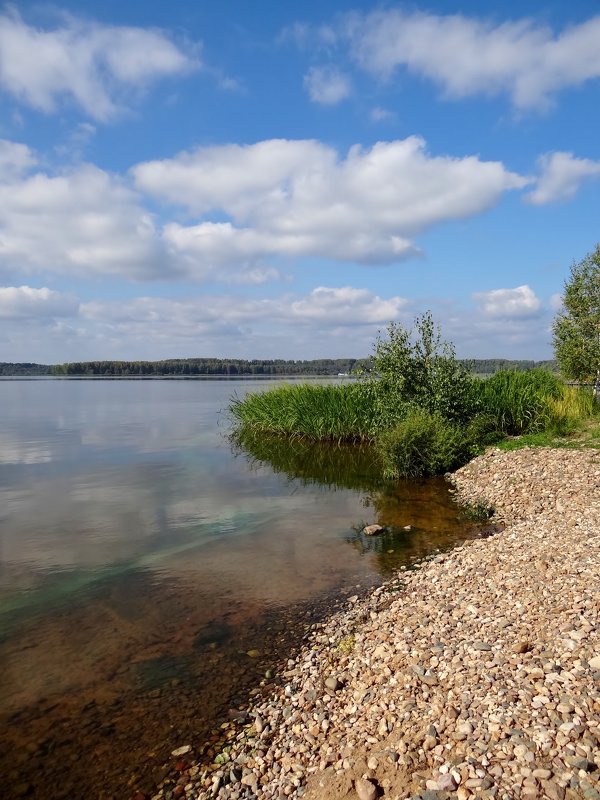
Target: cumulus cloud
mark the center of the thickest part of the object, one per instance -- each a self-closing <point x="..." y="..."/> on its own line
<point x="469" y="56"/>
<point x="561" y="176"/>
<point x="327" y="85"/>
<point x="518" y="302"/>
<point x="85" y="62"/>
<point x="300" y="198"/>
<point x="81" y="223"/>
<point x="275" y="201"/>
<point x="25" y="302"/>
<point x="346" y="305"/>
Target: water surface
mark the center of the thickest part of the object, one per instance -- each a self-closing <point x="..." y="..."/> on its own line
<point x="143" y="557"/>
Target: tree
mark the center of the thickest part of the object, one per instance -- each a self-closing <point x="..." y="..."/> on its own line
<point x="576" y="329"/>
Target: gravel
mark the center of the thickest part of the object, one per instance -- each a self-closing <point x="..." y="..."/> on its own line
<point x="475" y="675"/>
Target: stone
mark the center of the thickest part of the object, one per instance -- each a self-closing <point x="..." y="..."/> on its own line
<point x="365" y="789"/>
<point x="259" y="724"/>
<point x="446" y="783"/>
<point x="373" y="530"/>
<point x="595" y="662"/>
<point x="333" y="683"/>
<point x="181" y="751"/>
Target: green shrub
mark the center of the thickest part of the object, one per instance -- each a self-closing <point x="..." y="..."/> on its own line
<point x="424" y="443"/>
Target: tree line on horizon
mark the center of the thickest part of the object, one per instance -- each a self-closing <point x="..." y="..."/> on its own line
<point x="240" y="367"/>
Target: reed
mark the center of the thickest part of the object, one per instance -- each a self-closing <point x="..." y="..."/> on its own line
<point x="568" y="412"/>
<point x="339" y="413"/>
<point x="519" y="401"/>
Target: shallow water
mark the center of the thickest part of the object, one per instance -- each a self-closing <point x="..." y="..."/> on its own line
<point x="143" y="556"/>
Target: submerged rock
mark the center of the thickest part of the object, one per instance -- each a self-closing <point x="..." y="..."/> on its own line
<point x="373" y="530"/>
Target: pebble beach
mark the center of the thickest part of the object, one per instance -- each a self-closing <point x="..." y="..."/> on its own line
<point x="477" y="674"/>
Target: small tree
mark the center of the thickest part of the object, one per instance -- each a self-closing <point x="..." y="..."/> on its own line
<point x="576" y="329"/>
<point x="415" y="368"/>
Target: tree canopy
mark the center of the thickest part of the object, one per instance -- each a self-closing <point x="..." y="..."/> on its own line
<point x="576" y="328"/>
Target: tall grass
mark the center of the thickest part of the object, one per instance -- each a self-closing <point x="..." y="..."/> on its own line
<point x="519" y="401"/>
<point x="339" y="413"/>
<point x="567" y="412"/>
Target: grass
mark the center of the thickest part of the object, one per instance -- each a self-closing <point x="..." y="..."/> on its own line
<point x="512" y="410"/>
<point x="521" y="402"/>
<point x="335" y="413"/>
<point x="586" y="436"/>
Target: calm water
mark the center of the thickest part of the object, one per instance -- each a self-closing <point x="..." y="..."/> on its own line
<point x="143" y="556"/>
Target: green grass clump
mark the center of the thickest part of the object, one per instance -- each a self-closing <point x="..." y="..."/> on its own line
<point x="328" y="413"/>
<point x="519" y="401"/>
<point x="568" y="412"/>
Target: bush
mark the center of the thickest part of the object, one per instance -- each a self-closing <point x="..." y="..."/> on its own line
<point x="424" y="443"/>
<point x="415" y="368"/>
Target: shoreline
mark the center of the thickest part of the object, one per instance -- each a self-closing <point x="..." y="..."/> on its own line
<point x="475" y="675"/>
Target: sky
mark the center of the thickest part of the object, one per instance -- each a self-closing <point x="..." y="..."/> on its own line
<point x="282" y="180"/>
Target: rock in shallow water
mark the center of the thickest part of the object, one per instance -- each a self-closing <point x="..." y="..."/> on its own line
<point x="373" y="530"/>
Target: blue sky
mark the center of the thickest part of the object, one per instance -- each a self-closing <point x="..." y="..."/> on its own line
<point x="265" y="179"/>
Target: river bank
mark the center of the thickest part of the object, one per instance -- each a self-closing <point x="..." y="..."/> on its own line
<point x="477" y="674"/>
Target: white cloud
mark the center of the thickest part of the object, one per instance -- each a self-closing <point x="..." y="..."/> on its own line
<point x="468" y="56"/>
<point x="561" y="176"/>
<point x="300" y="198"/>
<point x="24" y="302"/>
<point x="326" y="306"/>
<point x="518" y="302"/>
<point x="82" y="223"/>
<point x="15" y="159"/>
<point x="324" y="322"/>
<point x="347" y="306"/>
<point x="86" y="62"/>
<point x="556" y="301"/>
<point x="274" y="201"/>
<point x="327" y="85"/>
<point x="379" y="114"/>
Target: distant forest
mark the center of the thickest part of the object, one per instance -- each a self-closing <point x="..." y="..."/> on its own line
<point x="181" y="367"/>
